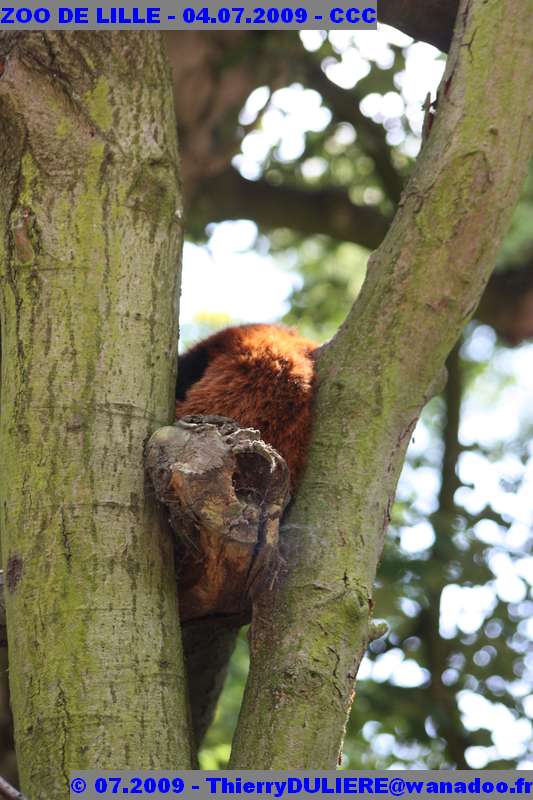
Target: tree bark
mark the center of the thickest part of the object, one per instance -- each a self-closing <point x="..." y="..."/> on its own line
<point x="374" y="378"/>
<point x="89" y="262"/>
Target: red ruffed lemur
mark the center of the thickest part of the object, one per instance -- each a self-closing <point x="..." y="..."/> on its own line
<point x="259" y="375"/>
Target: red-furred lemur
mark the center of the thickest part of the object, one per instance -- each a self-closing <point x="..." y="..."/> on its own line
<point x="259" y="375"/>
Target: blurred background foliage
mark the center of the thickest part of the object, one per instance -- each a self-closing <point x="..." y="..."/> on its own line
<point x="310" y="138"/>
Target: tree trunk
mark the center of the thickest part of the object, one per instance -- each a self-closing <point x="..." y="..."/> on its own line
<point x="89" y="270"/>
<point x="374" y="378"/>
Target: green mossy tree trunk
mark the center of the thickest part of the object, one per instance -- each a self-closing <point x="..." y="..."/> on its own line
<point x="423" y="284"/>
<point x="89" y="270"/>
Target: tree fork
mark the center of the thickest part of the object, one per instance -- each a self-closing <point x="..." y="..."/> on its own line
<point x="89" y="271"/>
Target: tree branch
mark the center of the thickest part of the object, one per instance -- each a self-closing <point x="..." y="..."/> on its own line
<point x="507" y="303"/>
<point x="8" y="792"/>
<point x="329" y="211"/>
<point x="443" y="704"/>
<point x="423" y="284"/>
<point x="428" y="20"/>
<point x="213" y="73"/>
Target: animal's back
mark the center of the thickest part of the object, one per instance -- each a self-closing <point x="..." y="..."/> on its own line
<point x="259" y="375"/>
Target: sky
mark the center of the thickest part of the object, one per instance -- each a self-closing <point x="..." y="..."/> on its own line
<point x="229" y="277"/>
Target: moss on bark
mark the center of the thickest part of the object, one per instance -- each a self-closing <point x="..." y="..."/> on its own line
<point x="423" y="284"/>
<point x="89" y="270"/>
